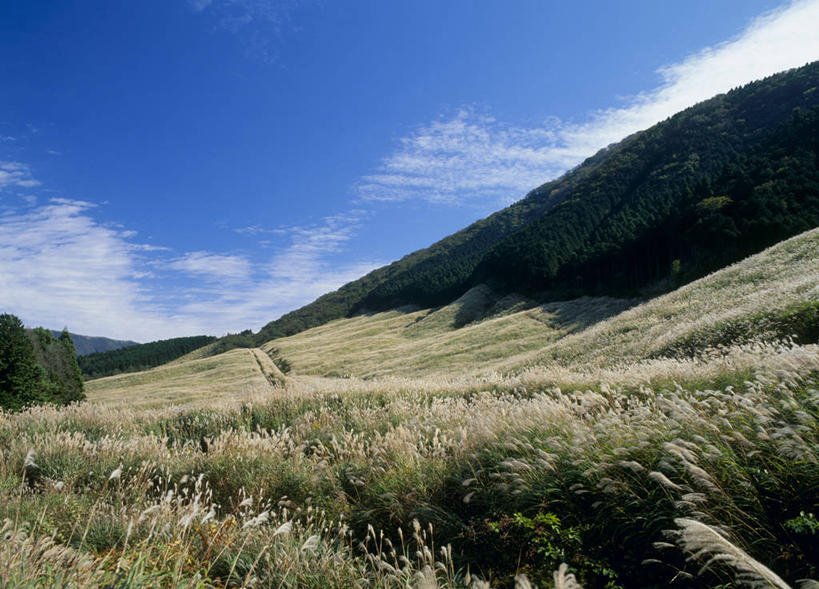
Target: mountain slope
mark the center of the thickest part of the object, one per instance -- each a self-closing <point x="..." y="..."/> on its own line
<point x="87" y="344"/>
<point x="140" y="356"/>
<point x="231" y="375"/>
<point x="714" y="183"/>
<point x="711" y="185"/>
<point x="737" y="303"/>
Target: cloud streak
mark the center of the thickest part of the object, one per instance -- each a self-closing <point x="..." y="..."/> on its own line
<point x="16" y="175"/>
<point x="60" y="266"/>
<point x="298" y="273"/>
<point x="259" y="23"/>
<point x="214" y="267"/>
<point x="471" y="156"/>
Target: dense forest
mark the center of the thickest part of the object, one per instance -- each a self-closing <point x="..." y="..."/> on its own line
<point x="711" y="185"/>
<point x="35" y="367"/>
<point x="704" y="188"/>
<point x="140" y="356"/>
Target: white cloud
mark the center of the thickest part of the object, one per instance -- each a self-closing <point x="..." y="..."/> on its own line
<point x="470" y="155"/>
<point x="298" y="274"/>
<point x="15" y="174"/>
<point x="257" y="20"/>
<point x="59" y="266"/>
<point x="259" y="25"/>
<point x="213" y="266"/>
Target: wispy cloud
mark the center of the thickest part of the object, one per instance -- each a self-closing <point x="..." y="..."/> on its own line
<point x="16" y="174"/>
<point x="303" y="269"/>
<point x="215" y="267"/>
<point x="60" y="265"/>
<point x="469" y="155"/>
<point x="260" y="23"/>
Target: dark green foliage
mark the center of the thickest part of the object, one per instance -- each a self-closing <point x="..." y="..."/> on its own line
<point x="711" y="185"/>
<point x="21" y="379"/>
<point x="232" y="341"/>
<point x="36" y="367"/>
<point x="140" y="356"/>
<point x="63" y="382"/>
<point x="708" y="186"/>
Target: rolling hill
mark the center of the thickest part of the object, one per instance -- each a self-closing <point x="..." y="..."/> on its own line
<point x="769" y="296"/>
<point x="608" y="426"/>
<point x="589" y="332"/>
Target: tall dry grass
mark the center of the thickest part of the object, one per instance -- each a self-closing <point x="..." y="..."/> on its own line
<point x="399" y="482"/>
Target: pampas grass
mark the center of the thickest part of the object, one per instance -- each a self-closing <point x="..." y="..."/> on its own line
<point x="706" y="543"/>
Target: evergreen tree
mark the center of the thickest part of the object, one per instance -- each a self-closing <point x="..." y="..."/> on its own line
<point x="57" y="357"/>
<point x="72" y="375"/>
<point x="21" y="379"/>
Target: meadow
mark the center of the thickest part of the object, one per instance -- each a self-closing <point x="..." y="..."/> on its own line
<point x="602" y="451"/>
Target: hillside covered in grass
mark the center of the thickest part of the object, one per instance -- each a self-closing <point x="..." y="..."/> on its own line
<point x="771" y="295"/>
<point x="140" y="356"/>
<point x="620" y="475"/>
<point x="707" y="187"/>
<point x="231" y="374"/>
<point x="490" y="442"/>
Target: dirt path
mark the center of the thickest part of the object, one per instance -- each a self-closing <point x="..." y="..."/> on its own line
<point x="267" y="367"/>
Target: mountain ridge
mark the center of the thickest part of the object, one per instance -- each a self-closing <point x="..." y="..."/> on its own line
<point x="89" y="344"/>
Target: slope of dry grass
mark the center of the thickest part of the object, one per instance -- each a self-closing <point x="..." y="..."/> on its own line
<point x="233" y="373"/>
<point x="478" y="454"/>
<point x="308" y="485"/>
<point x="590" y="332"/>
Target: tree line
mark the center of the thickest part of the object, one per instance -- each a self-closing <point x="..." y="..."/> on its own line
<point x="140" y="356"/>
<point x="35" y="367"/>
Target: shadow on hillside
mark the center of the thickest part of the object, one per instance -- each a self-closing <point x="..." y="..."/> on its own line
<point x="580" y="313"/>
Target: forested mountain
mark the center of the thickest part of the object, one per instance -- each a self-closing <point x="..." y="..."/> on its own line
<point x="140" y="356"/>
<point x="706" y="187"/>
<point x="87" y="344"/>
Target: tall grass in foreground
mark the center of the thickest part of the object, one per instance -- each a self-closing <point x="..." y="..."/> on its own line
<point x="400" y="483"/>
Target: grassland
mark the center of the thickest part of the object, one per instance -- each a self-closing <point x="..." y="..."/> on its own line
<point x="589" y="332"/>
<point x="232" y="374"/>
<point x="583" y="444"/>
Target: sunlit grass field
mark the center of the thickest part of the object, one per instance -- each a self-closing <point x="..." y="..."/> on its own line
<point x="229" y="375"/>
<point x="586" y="332"/>
<point x="580" y="443"/>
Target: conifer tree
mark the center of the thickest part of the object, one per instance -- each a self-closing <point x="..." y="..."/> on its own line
<point x="21" y="379"/>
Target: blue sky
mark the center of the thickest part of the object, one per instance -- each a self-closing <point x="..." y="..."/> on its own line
<point x="174" y="167"/>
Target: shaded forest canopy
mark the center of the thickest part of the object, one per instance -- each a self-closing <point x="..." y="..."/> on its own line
<point x="712" y="184"/>
<point x="140" y="356"/>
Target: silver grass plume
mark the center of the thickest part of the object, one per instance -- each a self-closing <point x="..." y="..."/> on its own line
<point x="564" y="579"/>
<point x="702" y="540"/>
